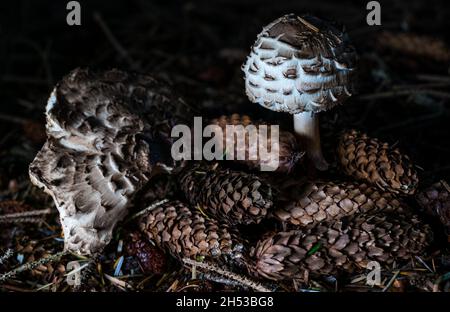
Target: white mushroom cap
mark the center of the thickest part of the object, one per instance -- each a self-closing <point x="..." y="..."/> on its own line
<point x="299" y="64"/>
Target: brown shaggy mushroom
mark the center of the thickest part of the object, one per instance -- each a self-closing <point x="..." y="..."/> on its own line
<point x="106" y="133"/>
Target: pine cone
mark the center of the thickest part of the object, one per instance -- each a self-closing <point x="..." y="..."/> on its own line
<point x="340" y="246"/>
<point x="236" y="197"/>
<point x="189" y="234"/>
<point x="288" y="150"/>
<point x="151" y="258"/>
<point x="313" y="202"/>
<point x="435" y="200"/>
<point x="368" y="159"/>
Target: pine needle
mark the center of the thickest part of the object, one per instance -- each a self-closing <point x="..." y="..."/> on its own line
<point x="118" y="283"/>
<point x="22" y="220"/>
<point x="149" y="208"/>
<point x="391" y="281"/>
<point x="31" y="265"/>
<point x="6" y="255"/>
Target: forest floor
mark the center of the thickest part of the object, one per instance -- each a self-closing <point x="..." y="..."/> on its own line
<point x="403" y="98"/>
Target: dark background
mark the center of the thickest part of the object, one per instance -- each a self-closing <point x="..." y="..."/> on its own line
<point x="199" y="46"/>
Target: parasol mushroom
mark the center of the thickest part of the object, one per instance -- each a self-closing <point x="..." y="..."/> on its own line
<point x="301" y="65"/>
<point x="100" y="150"/>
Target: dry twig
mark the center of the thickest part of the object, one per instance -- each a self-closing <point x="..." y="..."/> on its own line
<point x="242" y="280"/>
<point x="26" y="214"/>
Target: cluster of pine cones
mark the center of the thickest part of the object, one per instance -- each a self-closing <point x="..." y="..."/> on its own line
<point x="285" y="224"/>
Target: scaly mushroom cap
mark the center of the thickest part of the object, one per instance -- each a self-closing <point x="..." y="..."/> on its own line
<point x="299" y="64"/>
<point x="100" y="151"/>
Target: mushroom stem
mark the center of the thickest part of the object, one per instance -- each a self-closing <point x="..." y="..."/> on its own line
<point x="306" y="126"/>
